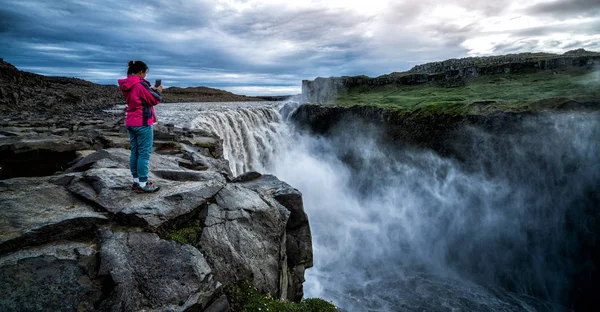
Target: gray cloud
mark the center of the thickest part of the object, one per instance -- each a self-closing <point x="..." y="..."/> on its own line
<point x="276" y="45"/>
<point x="567" y="8"/>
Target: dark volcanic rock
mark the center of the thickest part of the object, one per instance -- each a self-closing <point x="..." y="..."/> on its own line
<point x="249" y="231"/>
<point x="28" y="217"/>
<point x="54" y="257"/>
<point x="54" y="277"/>
<point x="149" y="273"/>
<point x="27" y="91"/>
<point x="37" y="155"/>
<point x="298" y="235"/>
<point x="108" y="184"/>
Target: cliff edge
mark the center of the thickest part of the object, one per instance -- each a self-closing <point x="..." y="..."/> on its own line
<point x="74" y="236"/>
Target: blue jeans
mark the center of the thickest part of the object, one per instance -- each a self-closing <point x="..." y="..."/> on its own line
<point x="140" y="139"/>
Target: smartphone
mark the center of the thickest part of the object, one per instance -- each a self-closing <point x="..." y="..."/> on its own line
<point x="158" y="82"/>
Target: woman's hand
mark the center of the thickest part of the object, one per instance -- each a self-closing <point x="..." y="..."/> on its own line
<point x="159" y="88"/>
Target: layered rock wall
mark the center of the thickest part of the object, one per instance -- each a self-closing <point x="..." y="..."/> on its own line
<point x="449" y="73"/>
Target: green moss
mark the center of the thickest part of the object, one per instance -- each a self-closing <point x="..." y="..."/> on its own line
<point x="245" y="297"/>
<point x="204" y="145"/>
<point x="187" y="235"/>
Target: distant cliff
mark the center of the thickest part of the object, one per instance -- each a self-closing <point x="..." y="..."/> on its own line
<point x="449" y="73"/>
<point x="203" y="94"/>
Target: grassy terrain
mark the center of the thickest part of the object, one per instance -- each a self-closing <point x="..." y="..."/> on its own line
<point x="527" y="91"/>
<point x="245" y="297"/>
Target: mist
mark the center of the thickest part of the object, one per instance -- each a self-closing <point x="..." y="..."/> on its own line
<point x="509" y="218"/>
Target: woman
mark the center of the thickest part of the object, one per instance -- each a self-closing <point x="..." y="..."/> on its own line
<point x="141" y="99"/>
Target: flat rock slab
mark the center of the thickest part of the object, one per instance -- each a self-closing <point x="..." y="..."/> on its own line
<point x="119" y="158"/>
<point x="35" y="211"/>
<point x="53" y="277"/>
<point x="249" y="232"/>
<point x="111" y="189"/>
<point x="151" y="274"/>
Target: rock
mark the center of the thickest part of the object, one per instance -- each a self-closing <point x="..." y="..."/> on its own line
<point x="54" y="277"/>
<point x="298" y="235"/>
<point x="249" y="231"/>
<point x="220" y="305"/>
<point x="60" y="131"/>
<point x="49" y="154"/>
<point x="23" y="91"/>
<point x="152" y="274"/>
<point x="247" y="176"/>
<point x="29" y="218"/>
<point x="111" y="189"/>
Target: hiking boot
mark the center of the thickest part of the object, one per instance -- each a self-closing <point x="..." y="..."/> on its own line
<point x="135" y="186"/>
<point x="149" y="188"/>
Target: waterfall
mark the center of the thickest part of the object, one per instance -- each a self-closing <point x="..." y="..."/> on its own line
<point x="397" y="229"/>
<point x="251" y="136"/>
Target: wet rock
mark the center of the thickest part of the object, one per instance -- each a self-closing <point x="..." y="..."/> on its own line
<point x="149" y="273"/>
<point x="53" y="277"/>
<point x="28" y="216"/>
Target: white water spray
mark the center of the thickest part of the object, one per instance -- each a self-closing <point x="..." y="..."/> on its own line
<point x="410" y="230"/>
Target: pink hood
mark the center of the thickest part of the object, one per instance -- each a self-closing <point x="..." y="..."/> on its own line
<point x="128" y="83"/>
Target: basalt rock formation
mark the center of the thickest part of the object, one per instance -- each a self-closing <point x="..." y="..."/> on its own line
<point x="450" y="73"/>
<point x="74" y="236"/>
<point x="21" y="91"/>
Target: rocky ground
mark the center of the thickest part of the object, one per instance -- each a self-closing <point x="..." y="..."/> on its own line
<point x="75" y="237"/>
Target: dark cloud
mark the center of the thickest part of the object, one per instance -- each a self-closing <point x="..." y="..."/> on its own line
<point x="270" y="45"/>
<point x="567" y="8"/>
<point x="591" y="27"/>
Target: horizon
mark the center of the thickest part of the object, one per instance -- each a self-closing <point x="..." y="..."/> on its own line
<point x="267" y="47"/>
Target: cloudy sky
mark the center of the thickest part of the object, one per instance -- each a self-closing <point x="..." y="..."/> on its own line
<point x="268" y="46"/>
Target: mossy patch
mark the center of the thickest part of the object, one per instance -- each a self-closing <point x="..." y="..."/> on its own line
<point x="245" y="297"/>
<point x="204" y="144"/>
<point x="189" y="235"/>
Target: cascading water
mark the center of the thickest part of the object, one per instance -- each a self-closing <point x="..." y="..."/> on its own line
<point x="405" y="230"/>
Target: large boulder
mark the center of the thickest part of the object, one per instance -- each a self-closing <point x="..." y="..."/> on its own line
<point x="54" y="277"/>
<point x="298" y="235"/>
<point x="248" y="230"/>
<point x="35" y="211"/>
<point x="152" y="274"/>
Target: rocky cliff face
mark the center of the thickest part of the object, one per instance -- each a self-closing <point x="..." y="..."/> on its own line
<point x="75" y="237"/>
<point x="449" y="73"/>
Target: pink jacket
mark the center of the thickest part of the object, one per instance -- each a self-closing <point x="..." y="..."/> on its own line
<point x="141" y="100"/>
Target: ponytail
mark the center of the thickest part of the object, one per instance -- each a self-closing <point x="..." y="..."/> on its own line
<point x="134" y="67"/>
